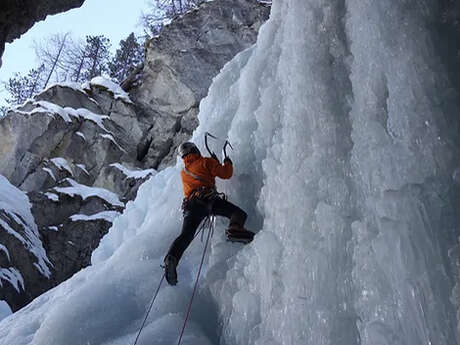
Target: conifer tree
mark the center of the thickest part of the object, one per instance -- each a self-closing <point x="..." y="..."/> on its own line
<point x="3" y="110"/>
<point x="21" y="87"/>
<point x="127" y="57"/>
<point x="16" y="87"/>
<point x="97" y="53"/>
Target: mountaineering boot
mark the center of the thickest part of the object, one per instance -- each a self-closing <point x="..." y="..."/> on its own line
<point x="170" y="269"/>
<point x="237" y="233"/>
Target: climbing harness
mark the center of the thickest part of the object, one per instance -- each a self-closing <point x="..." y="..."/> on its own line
<point x="211" y="230"/>
<point x="150" y="308"/>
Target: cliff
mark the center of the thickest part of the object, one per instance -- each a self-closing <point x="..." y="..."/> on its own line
<point x="77" y="153"/>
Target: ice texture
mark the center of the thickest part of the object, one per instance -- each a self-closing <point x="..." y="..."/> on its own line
<point x="346" y="159"/>
<point x="4" y="310"/>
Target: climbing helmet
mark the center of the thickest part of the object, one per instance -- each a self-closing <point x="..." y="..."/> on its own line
<point x="187" y="148"/>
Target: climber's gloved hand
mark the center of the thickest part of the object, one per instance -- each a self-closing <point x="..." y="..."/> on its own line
<point x="213" y="156"/>
<point x="227" y="159"/>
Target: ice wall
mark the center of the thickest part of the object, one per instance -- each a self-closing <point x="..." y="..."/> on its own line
<point x="346" y="135"/>
<point x="356" y="137"/>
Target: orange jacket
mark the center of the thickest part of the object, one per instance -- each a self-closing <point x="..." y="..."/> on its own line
<point x="206" y="169"/>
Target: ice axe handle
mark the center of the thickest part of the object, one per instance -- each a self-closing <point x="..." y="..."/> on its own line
<point x="227" y="143"/>
<point x="211" y="153"/>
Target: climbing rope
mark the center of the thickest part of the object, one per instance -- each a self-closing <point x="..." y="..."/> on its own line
<point x="210" y="231"/>
<point x="150" y="308"/>
<point x="208" y="223"/>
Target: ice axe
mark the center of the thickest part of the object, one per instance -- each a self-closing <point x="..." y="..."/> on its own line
<point x="213" y="155"/>
<point x="206" y="134"/>
<point x="224" y="149"/>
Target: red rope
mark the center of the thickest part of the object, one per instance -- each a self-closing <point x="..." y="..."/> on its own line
<point x="194" y="288"/>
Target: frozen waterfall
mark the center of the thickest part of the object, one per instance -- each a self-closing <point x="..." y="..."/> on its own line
<point x="347" y="160"/>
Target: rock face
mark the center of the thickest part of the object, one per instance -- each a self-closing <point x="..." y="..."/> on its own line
<point x="79" y="153"/>
<point x="16" y="17"/>
<point x="181" y="62"/>
<point x="59" y="148"/>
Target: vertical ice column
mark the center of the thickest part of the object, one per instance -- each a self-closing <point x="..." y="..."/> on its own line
<point x="299" y="272"/>
<point x="402" y="161"/>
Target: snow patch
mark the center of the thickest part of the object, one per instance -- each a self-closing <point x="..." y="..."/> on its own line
<point x="16" y="205"/>
<point x="114" y="88"/>
<point x="135" y="174"/>
<point x="105" y="215"/>
<point x="112" y="139"/>
<point x="50" y="172"/>
<point x="12" y="276"/>
<point x="82" y="167"/>
<point x="66" y="113"/>
<point x="52" y="196"/>
<point x="71" y="85"/>
<point x="88" y="115"/>
<point x="62" y="164"/>
<point x="5" y="250"/>
<point x="4" y="310"/>
<point x="80" y="134"/>
<point x="85" y="192"/>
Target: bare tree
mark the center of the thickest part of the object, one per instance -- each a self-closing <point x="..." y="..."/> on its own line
<point x="76" y="61"/>
<point x="161" y="10"/>
<point x="50" y="53"/>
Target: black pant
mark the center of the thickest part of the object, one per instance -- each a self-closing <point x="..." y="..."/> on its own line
<point x="195" y="211"/>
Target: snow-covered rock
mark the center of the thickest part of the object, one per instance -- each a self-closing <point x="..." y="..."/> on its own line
<point x="82" y="151"/>
<point x="23" y="257"/>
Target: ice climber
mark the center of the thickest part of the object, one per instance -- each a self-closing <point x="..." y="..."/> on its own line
<point x="202" y="200"/>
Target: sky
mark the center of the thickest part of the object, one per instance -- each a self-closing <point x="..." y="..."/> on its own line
<point x="115" y="19"/>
